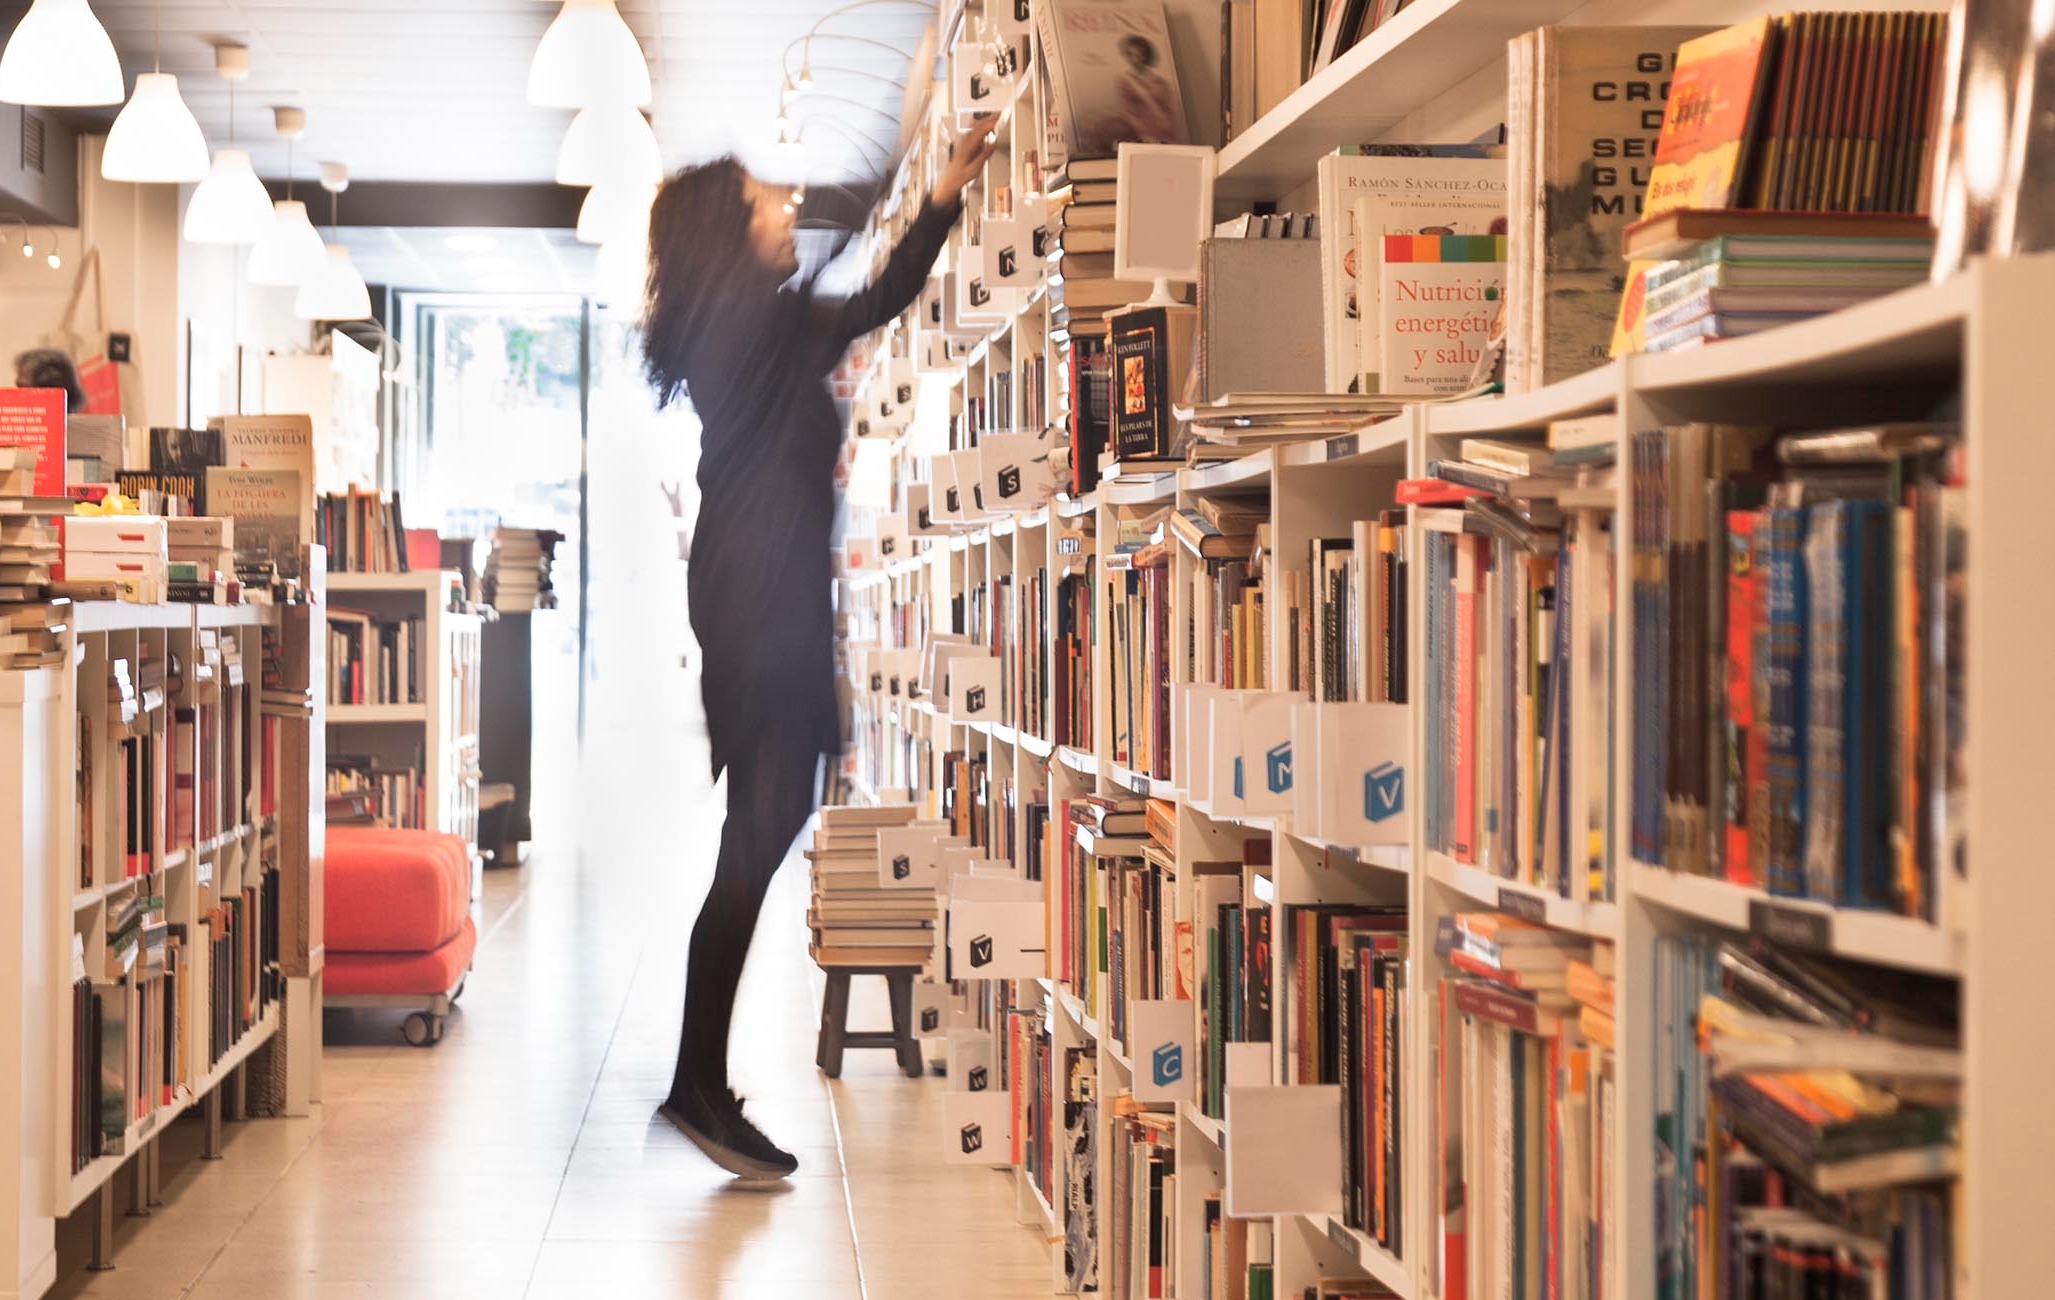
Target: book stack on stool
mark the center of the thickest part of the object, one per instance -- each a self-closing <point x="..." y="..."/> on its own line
<point x="861" y="927"/>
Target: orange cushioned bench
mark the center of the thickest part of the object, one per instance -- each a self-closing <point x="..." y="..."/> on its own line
<point x="398" y="930"/>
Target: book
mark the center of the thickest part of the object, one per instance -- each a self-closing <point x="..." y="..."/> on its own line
<point x="1343" y="179"/>
<point x="1584" y="112"/>
<point x="179" y="450"/>
<point x="1113" y="75"/>
<point x="1380" y="217"/>
<point x="272" y="510"/>
<point x="1437" y="296"/>
<point x="1151" y="350"/>
<point x="1671" y="235"/>
<point x="35" y="418"/>
<point x="1717" y="91"/>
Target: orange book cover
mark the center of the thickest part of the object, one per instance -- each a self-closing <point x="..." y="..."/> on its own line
<point x="1715" y="97"/>
<point x="35" y="417"/>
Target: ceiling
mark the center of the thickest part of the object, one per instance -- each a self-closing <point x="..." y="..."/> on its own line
<point x="434" y="90"/>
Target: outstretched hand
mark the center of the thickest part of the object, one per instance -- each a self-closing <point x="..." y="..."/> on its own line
<point x="966" y="159"/>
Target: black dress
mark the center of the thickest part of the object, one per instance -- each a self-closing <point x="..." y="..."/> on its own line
<point x="759" y="593"/>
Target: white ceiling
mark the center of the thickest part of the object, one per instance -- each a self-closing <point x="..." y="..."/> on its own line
<point x="433" y="90"/>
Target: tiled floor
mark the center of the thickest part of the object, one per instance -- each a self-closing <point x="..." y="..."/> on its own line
<point x="518" y="1159"/>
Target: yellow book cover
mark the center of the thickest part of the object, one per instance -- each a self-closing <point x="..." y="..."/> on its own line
<point x="1715" y="94"/>
<point x="1630" y="328"/>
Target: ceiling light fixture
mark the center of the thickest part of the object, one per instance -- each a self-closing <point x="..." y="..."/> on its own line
<point x="230" y="206"/>
<point x="335" y="291"/>
<point x="588" y="56"/>
<point x="60" y="57"/>
<point x="291" y="250"/>
<point x="613" y="210"/>
<point x="154" y="139"/>
<point x="609" y="143"/>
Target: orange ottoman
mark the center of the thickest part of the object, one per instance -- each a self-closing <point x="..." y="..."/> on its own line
<point x="399" y="929"/>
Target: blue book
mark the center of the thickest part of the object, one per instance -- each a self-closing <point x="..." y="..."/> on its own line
<point x="1785" y="606"/>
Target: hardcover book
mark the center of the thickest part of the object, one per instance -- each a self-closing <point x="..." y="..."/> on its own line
<point x="1110" y="66"/>
<point x="1381" y="215"/>
<point x="271" y="509"/>
<point x="1438" y="294"/>
<point x="1716" y="94"/>
<point x="1344" y="179"/>
<point x="35" y="417"/>
<point x="1151" y="350"/>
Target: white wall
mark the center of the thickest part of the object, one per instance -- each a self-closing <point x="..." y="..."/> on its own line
<point x="153" y="283"/>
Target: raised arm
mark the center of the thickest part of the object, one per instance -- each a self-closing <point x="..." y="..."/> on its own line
<point x="907" y="269"/>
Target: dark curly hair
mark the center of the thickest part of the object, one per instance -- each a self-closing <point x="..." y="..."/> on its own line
<point x="698" y="253"/>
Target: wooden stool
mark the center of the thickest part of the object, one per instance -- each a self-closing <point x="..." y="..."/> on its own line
<point x="835" y="1033"/>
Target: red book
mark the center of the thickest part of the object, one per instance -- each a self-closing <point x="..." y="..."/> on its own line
<point x="34" y="417"/>
<point x="1742" y="616"/>
<point x="1434" y="492"/>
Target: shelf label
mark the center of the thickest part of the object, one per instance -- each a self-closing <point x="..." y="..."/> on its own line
<point x="1525" y="906"/>
<point x="1343" y="447"/>
<point x="1339" y="1235"/>
<point x="1795" y="927"/>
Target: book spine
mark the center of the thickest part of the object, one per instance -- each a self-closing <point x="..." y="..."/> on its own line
<point x="1468" y="561"/>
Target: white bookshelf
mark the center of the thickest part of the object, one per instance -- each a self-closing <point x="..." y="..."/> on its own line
<point x="259" y="754"/>
<point x="442" y="726"/>
<point x="1973" y="333"/>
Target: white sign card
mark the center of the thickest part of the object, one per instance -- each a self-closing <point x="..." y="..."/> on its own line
<point x="1015" y="475"/>
<point x="860" y="554"/>
<point x="996" y="928"/>
<point x="1363" y="750"/>
<point x="930" y="1010"/>
<point x="974" y="688"/>
<point x="1161" y="1040"/>
<point x="977" y="1128"/>
<point x="908" y="856"/>
<point x="1283" y="1151"/>
<point x="1266" y="751"/>
<point x="972" y="1066"/>
<point x="920" y="515"/>
<point x="890" y="531"/>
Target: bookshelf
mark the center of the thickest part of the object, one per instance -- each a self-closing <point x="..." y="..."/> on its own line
<point x="433" y="738"/>
<point x="165" y="838"/>
<point x="1887" y="359"/>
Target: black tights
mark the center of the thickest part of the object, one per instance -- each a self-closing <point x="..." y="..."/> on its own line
<point x="770" y="796"/>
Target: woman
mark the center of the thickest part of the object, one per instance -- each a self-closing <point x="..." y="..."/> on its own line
<point x="727" y="327"/>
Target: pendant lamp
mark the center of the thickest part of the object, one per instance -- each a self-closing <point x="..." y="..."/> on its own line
<point x="60" y="57"/>
<point x="612" y="210"/>
<point x="609" y="143"/>
<point x="588" y="56"/>
<point x="154" y="139"/>
<point x="336" y="290"/>
<point x="231" y="205"/>
<point x="291" y="249"/>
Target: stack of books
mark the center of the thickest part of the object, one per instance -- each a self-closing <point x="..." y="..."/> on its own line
<point x="1082" y="288"/>
<point x="517" y="575"/>
<point x="29" y="541"/>
<point x="1824" y="1105"/>
<point x="856" y="920"/>
<point x="1772" y="199"/>
<point x="1728" y="286"/>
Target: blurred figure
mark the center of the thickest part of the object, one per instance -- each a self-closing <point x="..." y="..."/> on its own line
<point x="49" y="368"/>
<point x="728" y="327"/>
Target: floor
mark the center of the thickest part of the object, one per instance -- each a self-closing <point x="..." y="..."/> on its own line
<point x="518" y="1160"/>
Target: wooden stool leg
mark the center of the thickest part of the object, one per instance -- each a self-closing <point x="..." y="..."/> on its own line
<point x="834" y="1023"/>
<point x="899" y="984"/>
<point x="820" y="1050"/>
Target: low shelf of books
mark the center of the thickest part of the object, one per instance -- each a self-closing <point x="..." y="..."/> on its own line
<point x="403" y="697"/>
<point x="164" y="833"/>
<point x="1494" y="845"/>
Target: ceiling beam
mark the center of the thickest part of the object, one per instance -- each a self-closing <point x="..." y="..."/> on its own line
<point x="515" y="205"/>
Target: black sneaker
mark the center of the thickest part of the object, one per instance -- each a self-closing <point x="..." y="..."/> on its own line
<point x="717" y="1126"/>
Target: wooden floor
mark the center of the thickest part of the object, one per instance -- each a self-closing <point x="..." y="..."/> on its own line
<point x="518" y="1159"/>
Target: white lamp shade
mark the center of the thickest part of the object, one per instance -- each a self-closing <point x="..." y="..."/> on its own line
<point x="154" y="138"/>
<point x="620" y="273"/>
<point x="588" y="56"/>
<point x="612" y="211"/>
<point x="290" y="251"/>
<point x="335" y="291"/>
<point x="230" y="206"/>
<point x="609" y="143"/>
<point x="60" y="57"/>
